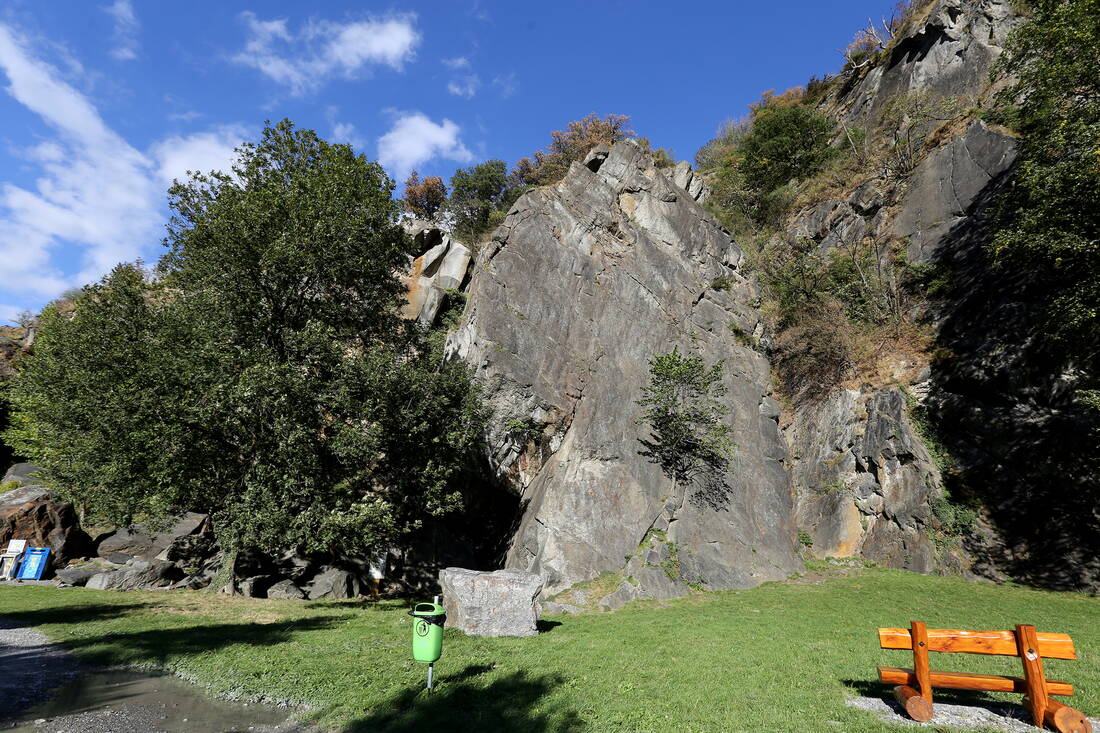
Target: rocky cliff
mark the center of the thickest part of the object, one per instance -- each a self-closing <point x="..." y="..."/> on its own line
<point x="581" y="285"/>
<point x="987" y="398"/>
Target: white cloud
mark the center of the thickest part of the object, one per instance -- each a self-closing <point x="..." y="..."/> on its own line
<point x="457" y="63"/>
<point x="466" y="86"/>
<point x="303" y="61"/>
<point x="202" y="152"/>
<point x="94" y="188"/>
<point x="126" y="29"/>
<point x="414" y="139"/>
<point x="95" y="194"/>
<point x="506" y="84"/>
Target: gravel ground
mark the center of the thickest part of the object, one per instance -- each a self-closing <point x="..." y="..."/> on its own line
<point x="42" y="688"/>
<point x="32" y="666"/>
<point x="1000" y="716"/>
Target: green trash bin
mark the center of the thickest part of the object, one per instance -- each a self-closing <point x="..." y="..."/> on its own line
<point x="427" y="631"/>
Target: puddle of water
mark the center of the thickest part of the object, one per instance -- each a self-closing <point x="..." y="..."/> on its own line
<point x="99" y="702"/>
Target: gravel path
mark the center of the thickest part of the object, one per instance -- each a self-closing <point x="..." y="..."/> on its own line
<point x="43" y="689"/>
<point x="998" y="716"/>
<point x="31" y="666"/>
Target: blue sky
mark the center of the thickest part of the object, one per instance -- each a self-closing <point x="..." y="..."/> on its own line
<point x="103" y="103"/>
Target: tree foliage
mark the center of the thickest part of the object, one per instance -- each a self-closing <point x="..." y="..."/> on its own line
<point x="424" y="199"/>
<point x="1054" y="233"/>
<point x="476" y="193"/>
<point x="265" y="376"/>
<point x="683" y="407"/>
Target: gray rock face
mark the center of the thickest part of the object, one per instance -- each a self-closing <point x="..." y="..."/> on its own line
<point x="946" y="184"/>
<point x="28" y="494"/>
<point x="949" y="53"/>
<point x="865" y="482"/>
<point x="500" y="603"/>
<point x="143" y="542"/>
<point x="333" y="583"/>
<point x="21" y="472"/>
<point x="441" y="267"/>
<point x="581" y="285"/>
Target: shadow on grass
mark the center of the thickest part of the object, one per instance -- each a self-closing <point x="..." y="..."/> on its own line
<point x="545" y="627"/>
<point x="460" y="703"/>
<point x="970" y="698"/>
<point x="68" y="614"/>
<point x="156" y="646"/>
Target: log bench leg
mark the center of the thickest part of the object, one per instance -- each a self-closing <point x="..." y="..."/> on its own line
<point x="914" y="703"/>
<point x="1063" y="718"/>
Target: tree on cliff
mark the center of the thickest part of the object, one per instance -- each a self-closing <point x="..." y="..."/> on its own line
<point x="683" y="408"/>
<point x="1054" y="231"/>
<point x="424" y="199"/>
<point x="265" y="376"/>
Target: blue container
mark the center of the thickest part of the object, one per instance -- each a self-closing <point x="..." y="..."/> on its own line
<point x="34" y="563"/>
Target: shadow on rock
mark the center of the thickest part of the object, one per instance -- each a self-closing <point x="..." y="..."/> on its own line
<point x="461" y="703"/>
<point x="1003" y="405"/>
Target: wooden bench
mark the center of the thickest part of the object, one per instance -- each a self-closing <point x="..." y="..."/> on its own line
<point x="914" y="686"/>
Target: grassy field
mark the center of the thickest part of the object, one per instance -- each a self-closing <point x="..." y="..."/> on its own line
<point x="782" y="657"/>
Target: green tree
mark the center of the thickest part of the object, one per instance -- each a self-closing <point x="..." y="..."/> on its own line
<point x="683" y="407"/>
<point x="266" y="376"/>
<point x="479" y="192"/>
<point x="1054" y="229"/>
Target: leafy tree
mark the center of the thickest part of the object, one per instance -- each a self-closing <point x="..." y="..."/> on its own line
<point x="571" y="144"/>
<point x="684" y="410"/>
<point x="424" y="199"/>
<point x="1054" y="232"/>
<point x="477" y="193"/>
<point x="266" y="376"/>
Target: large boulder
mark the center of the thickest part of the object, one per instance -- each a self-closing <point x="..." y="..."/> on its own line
<point x="333" y="583"/>
<point x="45" y="523"/>
<point x="151" y="542"/>
<point x="583" y="282"/>
<point x="500" y="603"/>
<point x="139" y="575"/>
<point x="24" y="473"/>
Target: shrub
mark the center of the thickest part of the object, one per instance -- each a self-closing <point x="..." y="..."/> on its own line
<point x="785" y="143"/>
<point x="571" y="144"/>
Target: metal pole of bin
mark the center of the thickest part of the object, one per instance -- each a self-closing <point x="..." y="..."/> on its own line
<point x="431" y="665"/>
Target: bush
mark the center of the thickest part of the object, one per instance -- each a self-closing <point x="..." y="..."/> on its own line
<point x="785" y="143"/>
<point x="571" y="144"/>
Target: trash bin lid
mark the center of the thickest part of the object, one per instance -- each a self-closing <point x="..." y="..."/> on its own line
<point x="427" y="609"/>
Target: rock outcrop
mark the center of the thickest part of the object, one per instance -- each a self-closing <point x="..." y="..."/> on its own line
<point x="500" y="603"/>
<point x="947" y="49"/>
<point x="441" y="267"/>
<point x="44" y="523"/>
<point x="582" y="283"/>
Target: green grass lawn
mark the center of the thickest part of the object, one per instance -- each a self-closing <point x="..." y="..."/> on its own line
<point x="782" y="657"/>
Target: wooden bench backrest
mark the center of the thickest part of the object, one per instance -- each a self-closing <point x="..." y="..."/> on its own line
<point x="1051" y="646"/>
